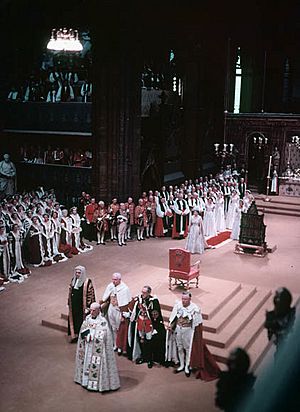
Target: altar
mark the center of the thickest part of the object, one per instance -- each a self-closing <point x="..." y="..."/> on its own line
<point x="289" y="186"/>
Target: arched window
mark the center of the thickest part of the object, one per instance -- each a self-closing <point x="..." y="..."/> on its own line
<point x="238" y="82"/>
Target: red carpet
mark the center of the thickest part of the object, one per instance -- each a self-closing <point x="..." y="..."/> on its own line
<point x="215" y="240"/>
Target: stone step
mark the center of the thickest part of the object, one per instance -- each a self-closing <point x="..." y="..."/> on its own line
<point x="229" y="309"/>
<point x="278" y="212"/>
<point x="221" y="319"/>
<point x="259" y="349"/>
<point x="208" y="303"/>
<point x="56" y="323"/>
<point x="238" y="322"/>
<point x="248" y="336"/>
<point x="276" y="205"/>
<point x="279" y="201"/>
<point x="210" y="312"/>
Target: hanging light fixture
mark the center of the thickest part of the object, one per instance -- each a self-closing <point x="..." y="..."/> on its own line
<point x="64" y="40"/>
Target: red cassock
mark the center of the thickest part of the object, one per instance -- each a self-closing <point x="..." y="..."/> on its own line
<point x="159" y="227"/>
<point x="122" y="335"/>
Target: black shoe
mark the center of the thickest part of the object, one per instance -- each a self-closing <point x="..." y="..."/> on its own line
<point x="178" y="371"/>
<point x="139" y="361"/>
<point x="120" y="353"/>
<point x="150" y="365"/>
<point x="187" y="374"/>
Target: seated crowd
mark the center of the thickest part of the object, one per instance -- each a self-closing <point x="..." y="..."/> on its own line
<point x="56" y="155"/>
<point x="55" y="84"/>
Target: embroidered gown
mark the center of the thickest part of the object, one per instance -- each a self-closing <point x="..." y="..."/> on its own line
<point x="195" y="241"/>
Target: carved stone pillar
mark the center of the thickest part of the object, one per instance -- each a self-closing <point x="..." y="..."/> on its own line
<point x="116" y="115"/>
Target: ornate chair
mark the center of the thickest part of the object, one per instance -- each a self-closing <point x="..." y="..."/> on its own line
<point x="180" y="268"/>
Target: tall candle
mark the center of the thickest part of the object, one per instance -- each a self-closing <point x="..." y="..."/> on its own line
<point x="269" y="170"/>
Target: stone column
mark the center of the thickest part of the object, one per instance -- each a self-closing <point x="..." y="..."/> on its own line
<point x="116" y="113"/>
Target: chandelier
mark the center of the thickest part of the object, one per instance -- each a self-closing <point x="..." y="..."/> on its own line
<point x="64" y="40"/>
<point x="260" y="142"/>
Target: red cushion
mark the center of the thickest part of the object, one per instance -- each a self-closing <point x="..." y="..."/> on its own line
<point x="185" y="276"/>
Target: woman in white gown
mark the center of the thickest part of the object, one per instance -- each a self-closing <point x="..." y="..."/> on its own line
<point x="196" y="241"/>
<point x="235" y="234"/>
<point x="219" y="213"/>
<point x="209" y="222"/>
<point x="233" y="203"/>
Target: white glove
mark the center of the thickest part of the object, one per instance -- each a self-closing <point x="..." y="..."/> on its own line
<point x="126" y="314"/>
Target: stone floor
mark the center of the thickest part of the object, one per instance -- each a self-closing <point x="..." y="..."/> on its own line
<point x="37" y="363"/>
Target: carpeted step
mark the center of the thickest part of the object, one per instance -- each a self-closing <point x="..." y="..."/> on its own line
<point x="56" y="323"/>
<point x="259" y="349"/>
<point x="278" y="206"/>
<point x="278" y="212"/>
<point x="216" y="295"/>
<point x="284" y="201"/>
<point x="238" y="322"/>
<point x="229" y="310"/>
<point x="211" y="307"/>
<point x="248" y="336"/>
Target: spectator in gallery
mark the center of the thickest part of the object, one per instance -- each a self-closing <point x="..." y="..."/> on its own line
<point x="55" y="75"/>
<point x="70" y="76"/>
<point x="13" y="94"/>
<point x="86" y="91"/>
<point x="52" y="94"/>
<point x="33" y="91"/>
<point x="57" y="155"/>
<point x="65" y="92"/>
<point x="79" y="158"/>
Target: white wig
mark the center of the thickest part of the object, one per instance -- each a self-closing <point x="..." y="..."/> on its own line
<point x="78" y="282"/>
